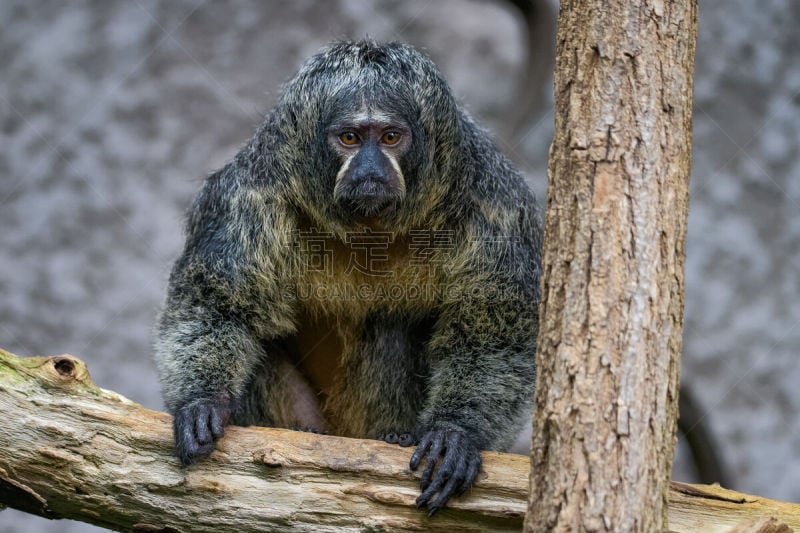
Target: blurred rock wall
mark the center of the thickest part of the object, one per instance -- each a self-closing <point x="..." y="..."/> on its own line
<point x="112" y="112"/>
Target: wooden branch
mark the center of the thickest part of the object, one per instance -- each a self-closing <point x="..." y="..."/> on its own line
<point x="764" y="525"/>
<point x="713" y="509"/>
<point x="69" y="449"/>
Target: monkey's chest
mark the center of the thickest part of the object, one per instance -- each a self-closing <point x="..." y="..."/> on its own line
<point x="370" y="271"/>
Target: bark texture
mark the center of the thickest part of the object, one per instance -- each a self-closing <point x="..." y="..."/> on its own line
<point x="69" y="449"/>
<point x="763" y="525"/>
<point x="613" y="279"/>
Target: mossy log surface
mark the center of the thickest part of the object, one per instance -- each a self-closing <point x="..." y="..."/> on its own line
<point x="69" y="449"/>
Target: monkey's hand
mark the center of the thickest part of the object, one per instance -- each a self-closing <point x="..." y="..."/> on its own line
<point x="197" y="427"/>
<point x="458" y="468"/>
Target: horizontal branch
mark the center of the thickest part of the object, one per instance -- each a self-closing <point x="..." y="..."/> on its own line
<point x="69" y="449"/>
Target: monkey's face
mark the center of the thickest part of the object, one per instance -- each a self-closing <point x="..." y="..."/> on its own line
<point x="369" y="148"/>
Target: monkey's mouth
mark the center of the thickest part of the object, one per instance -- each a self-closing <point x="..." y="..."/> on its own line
<point x="369" y="198"/>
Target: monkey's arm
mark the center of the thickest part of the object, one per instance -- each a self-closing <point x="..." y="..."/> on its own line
<point x="223" y="298"/>
<point x="483" y="371"/>
<point x="204" y="352"/>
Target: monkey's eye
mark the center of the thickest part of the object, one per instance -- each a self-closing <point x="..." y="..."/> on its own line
<point x="349" y="138"/>
<point x="390" y="137"/>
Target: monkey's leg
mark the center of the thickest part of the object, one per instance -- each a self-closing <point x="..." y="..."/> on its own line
<point x="381" y="387"/>
<point x="278" y="395"/>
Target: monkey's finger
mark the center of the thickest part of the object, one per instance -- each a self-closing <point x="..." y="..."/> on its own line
<point x="445" y="494"/>
<point x="185" y="441"/>
<point x="433" y="456"/>
<point x="452" y="458"/>
<point x="421" y="450"/>
<point x="471" y="474"/>
<point x="201" y="450"/>
<point x="202" y="414"/>
<point x="427" y="494"/>
<point x="191" y="451"/>
<point x="217" y="421"/>
<point x="454" y="455"/>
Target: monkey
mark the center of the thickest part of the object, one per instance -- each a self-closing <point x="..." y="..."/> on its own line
<point x="367" y="265"/>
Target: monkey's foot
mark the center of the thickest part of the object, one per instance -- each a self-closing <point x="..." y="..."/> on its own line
<point x="403" y="439"/>
<point x="308" y="430"/>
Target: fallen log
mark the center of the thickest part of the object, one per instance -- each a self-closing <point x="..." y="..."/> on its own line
<point x="69" y="449"/>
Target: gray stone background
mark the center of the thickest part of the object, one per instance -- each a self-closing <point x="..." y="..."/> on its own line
<point x="111" y="113"/>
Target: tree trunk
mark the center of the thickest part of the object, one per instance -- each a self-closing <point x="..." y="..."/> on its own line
<point x="613" y="266"/>
<point x="69" y="449"/>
